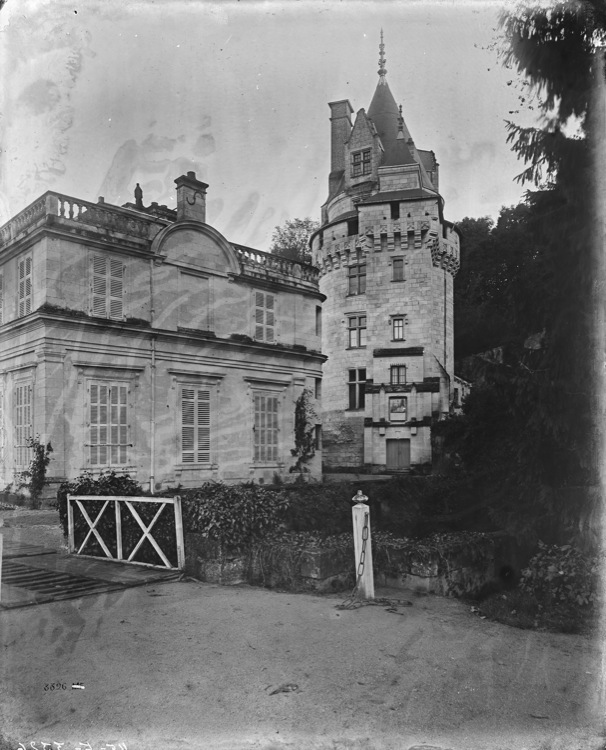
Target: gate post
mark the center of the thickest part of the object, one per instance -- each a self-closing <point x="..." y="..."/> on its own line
<point x="362" y="546"/>
<point x="71" y="546"/>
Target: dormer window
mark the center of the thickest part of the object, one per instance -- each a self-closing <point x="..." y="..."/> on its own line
<point x="360" y="163"/>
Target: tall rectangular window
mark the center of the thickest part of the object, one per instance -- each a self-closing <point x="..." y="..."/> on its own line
<point x="357" y="388"/>
<point x="357" y="331"/>
<point x="25" y="285"/>
<point x="397" y="374"/>
<point x="394" y="208"/>
<point x="1" y="298"/>
<point x="356" y="279"/>
<point x="108" y="419"/>
<point x="23" y="424"/>
<point x="318" y="320"/>
<point x="107" y="287"/>
<point x="397" y="266"/>
<point x="2" y="433"/>
<point x="397" y="326"/>
<point x="195" y="425"/>
<point x="360" y="163"/>
<point x="266" y="427"/>
<point x="265" y="321"/>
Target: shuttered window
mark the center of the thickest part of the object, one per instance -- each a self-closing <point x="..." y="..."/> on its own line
<point x="265" y="317"/>
<point x="2" y="433"/>
<point x="25" y="285"/>
<point x="195" y="426"/>
<point x="108" y="424"/>
<point x="23" y="425"/>
<point x="107" y="287"/>
<point x="266" y="427"/>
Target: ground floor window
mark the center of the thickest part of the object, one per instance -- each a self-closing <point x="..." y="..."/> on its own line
<point x="195" y="425"/>
<point x="108" y="420"/>
<point x="23" y="425"/>
<point x="266" y="407"/>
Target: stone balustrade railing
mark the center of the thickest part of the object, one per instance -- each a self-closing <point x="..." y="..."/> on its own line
<point x="98" y="215"/>
<point x="268" y="265"/>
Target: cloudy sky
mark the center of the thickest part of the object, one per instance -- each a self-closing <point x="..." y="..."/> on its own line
<point x="102" y="94"/>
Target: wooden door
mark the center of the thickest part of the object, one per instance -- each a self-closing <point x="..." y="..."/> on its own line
<point x="398" y="455"/>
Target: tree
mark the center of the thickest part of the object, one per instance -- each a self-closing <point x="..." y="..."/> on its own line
<point x="532" y="429"/>
<point x="291" y="239"/>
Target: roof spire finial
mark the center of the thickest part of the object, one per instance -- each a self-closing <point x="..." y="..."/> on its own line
<point x="382" y="70"/>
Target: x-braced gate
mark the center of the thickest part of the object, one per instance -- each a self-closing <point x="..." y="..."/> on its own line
<point x="120" y="505"/>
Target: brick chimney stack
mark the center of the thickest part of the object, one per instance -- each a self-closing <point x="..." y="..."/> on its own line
<point x="191" y="198"/>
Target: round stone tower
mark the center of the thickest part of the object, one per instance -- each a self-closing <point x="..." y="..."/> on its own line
<point x="387" y="259"/>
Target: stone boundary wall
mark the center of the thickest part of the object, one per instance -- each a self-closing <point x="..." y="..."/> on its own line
<point x="466" y="568"/>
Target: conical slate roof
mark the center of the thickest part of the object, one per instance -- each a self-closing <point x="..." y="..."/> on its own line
<point x="387" y="119"/>
<point x="384" y="113"/>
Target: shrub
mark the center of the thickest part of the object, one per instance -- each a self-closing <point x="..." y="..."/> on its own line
<point x="234" y="515"/>
<point x="34" y="478"/>
<point x="561" y="576"/>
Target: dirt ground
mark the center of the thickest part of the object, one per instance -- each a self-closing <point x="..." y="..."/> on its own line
<point x="193" y="665"/>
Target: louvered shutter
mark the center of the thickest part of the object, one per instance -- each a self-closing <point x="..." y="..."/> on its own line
<point x="269" y="317"/>
<point x="264" y="317"/>
<point x="108" y="424"/>
<point x="25" y="286"/>
<point x="195" y="426"/>
<point x="116" y="292"/>
<point x="266" y="428"/>
<point x="99" y="286"/>
<point x="23" y="423"/>
<point x="107" y="287"/>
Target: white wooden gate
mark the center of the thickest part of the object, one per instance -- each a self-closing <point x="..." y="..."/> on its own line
<point x="120" y="505"/>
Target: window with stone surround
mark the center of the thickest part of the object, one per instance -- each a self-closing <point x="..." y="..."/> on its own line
<point x="266" y="426"/>
<point x="195" y="424"/>
<point x="394" y="208"/>
<point x="22" y="424"/>
<point x="397" y="266"/>
<point x="107" y="287"/>
<point x="25" y="285"/>
<point x="360" y="163"/>
<point x="356" y="331"/>
<point x="398" y="409"/>
<point x="357" y="388"/>
<point x="398" y="323"/>
<point x="356" y="279"/>
<point x="318" y="320"/>
<point x="397" y="374"/>
<point x="108" y="423"/>
<point x="265" y="320"/>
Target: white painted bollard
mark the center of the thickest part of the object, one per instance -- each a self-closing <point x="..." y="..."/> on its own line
<point x="362" y="548"/>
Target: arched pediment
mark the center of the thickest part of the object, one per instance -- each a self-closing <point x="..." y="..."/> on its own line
<point x="196" y="245"/>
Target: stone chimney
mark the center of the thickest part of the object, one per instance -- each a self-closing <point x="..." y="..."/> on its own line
<point x="191" y="198"/>
<point x="340" y="130"/>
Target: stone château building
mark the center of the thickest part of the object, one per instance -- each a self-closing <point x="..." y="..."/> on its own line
<point x="139" y="339"/>
<point x="387" y="260"/>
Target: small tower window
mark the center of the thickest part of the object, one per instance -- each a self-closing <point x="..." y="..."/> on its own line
<point x="397" y="327"/>
<point x="398" y="269"/>
<point x="352" y="227"/>
<point x="397" y="374"/>
<point x="395" y="210"/>
<point x="356" y="279"/>
<point x="356" y="331"/>
<point x="357" y="388"/>
<point x="360" y="163"/>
